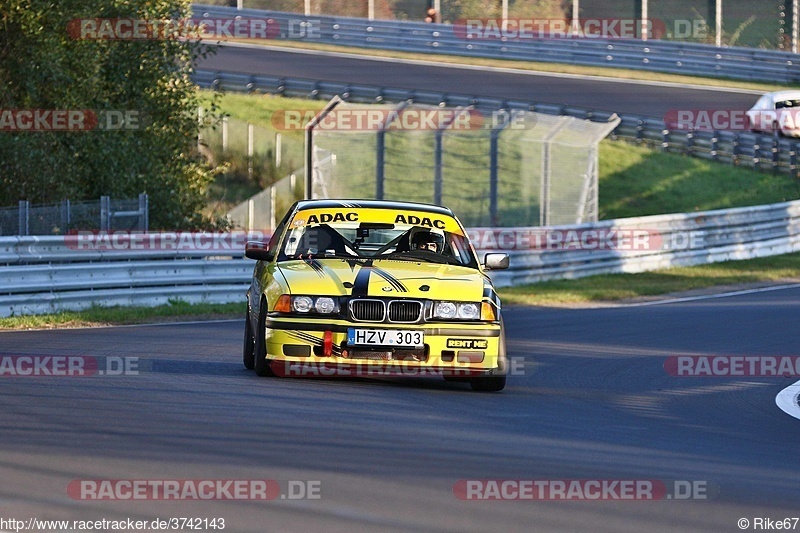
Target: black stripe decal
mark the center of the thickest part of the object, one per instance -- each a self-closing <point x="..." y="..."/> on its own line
<point x="316" y="266"/>
<point x="311" y="339"/>
<point x="361" y="283"/>
<point x="393" y="281"/>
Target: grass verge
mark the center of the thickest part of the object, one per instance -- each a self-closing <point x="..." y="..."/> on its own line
<point x="105" y="316"/>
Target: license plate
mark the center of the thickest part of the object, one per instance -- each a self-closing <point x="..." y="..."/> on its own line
<point x="401" y="338"/>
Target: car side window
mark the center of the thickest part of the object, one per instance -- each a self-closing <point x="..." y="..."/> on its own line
<point x="276" y="235"/>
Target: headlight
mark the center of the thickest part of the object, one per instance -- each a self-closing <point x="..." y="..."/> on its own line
<point x="445" y="310"/>
<point x="460" y="311"/>
<point x="323" y="305"/>
<point x="468" y="311"/>
<point x="326" y="305"/>
<point x="302" y="304"/>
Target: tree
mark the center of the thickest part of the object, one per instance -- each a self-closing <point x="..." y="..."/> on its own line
<point x="43" y="67"/>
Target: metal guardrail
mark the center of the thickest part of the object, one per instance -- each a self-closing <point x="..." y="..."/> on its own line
<point x="648" y="243"/>
<point x="42" y="274"/>
<point x="652" y="55"/>
<point x="45" y="275"/>
<point x="759" y="151"/>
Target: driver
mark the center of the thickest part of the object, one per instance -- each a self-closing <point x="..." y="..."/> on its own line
<point x="427" y="240"/>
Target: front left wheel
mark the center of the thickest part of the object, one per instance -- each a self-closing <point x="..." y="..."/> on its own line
<point x="261" y="364"/>
<point x="248" y="352"/>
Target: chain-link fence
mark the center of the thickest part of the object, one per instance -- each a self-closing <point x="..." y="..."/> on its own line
<point x="504" y="169"/>
<point x="106" y="214"/>
<point x="262" y="211"/>
<point x="254" y="157"/>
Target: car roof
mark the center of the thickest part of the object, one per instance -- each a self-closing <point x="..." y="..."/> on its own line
<point x="372" y="204"/>
<point x="784" y="95"/>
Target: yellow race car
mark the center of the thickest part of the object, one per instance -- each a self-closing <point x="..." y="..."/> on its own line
<point x="374" y="288"/>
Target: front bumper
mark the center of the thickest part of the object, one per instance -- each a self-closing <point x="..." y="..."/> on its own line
<point x="311" y="347"/>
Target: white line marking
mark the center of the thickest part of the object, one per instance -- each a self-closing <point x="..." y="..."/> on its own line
<point x="506" y="70"/>
<point x="787" y="400"/>
<point x="708" y="296"/>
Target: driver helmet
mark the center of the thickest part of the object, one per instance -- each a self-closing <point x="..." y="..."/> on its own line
<point x="427" y="240"/>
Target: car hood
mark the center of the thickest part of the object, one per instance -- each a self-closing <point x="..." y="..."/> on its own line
<point x="382" y="278"/>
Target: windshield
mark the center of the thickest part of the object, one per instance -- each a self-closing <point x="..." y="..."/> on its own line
<point x="377" y="241"/>
<point x="787" y="103"/>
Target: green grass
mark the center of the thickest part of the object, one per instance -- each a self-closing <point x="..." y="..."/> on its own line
<point x="638" y="181"/>
<point x="103" y="316"/>
<point x="611" y="287"/>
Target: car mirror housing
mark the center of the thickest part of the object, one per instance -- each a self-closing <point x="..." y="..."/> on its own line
<point x="496" y="261"/>
<point x="258" y="250"/>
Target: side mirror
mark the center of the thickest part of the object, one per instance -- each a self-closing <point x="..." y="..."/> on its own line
<point x="495" y="261"/>
<point x="258" y="250"/>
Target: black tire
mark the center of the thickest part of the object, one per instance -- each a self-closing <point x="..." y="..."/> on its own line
<point x="261" y="364"/>
<point x="495" y="382"/>
<point x="456" y="379"/>
<point x="248" y="352"/>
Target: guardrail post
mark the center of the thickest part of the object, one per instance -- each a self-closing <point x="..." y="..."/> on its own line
<point x="144" y="209"/>
<point x="105" y="213"/>
<point x="776" y="148"/>
<point x="24" y="208"/>
<point x="715" y="146"/>
<point x="665" y="140"/>
<point x="690" y="143"/>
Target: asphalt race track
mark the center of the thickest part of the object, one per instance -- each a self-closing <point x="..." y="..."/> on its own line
<point x="590" y="400"/>
<point x="620" y="97"/>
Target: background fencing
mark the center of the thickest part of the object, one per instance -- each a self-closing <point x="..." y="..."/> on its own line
<point x="105" y="214"/>
<point x="500" y="169"/>
<point x="767" y="24"/>
<point x="45" y="274"/>
<point x="755" y="150"/>
<point x="653" y="55"/>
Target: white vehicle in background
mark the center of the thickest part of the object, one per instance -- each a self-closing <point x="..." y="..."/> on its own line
<point x="777" y="113"/>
